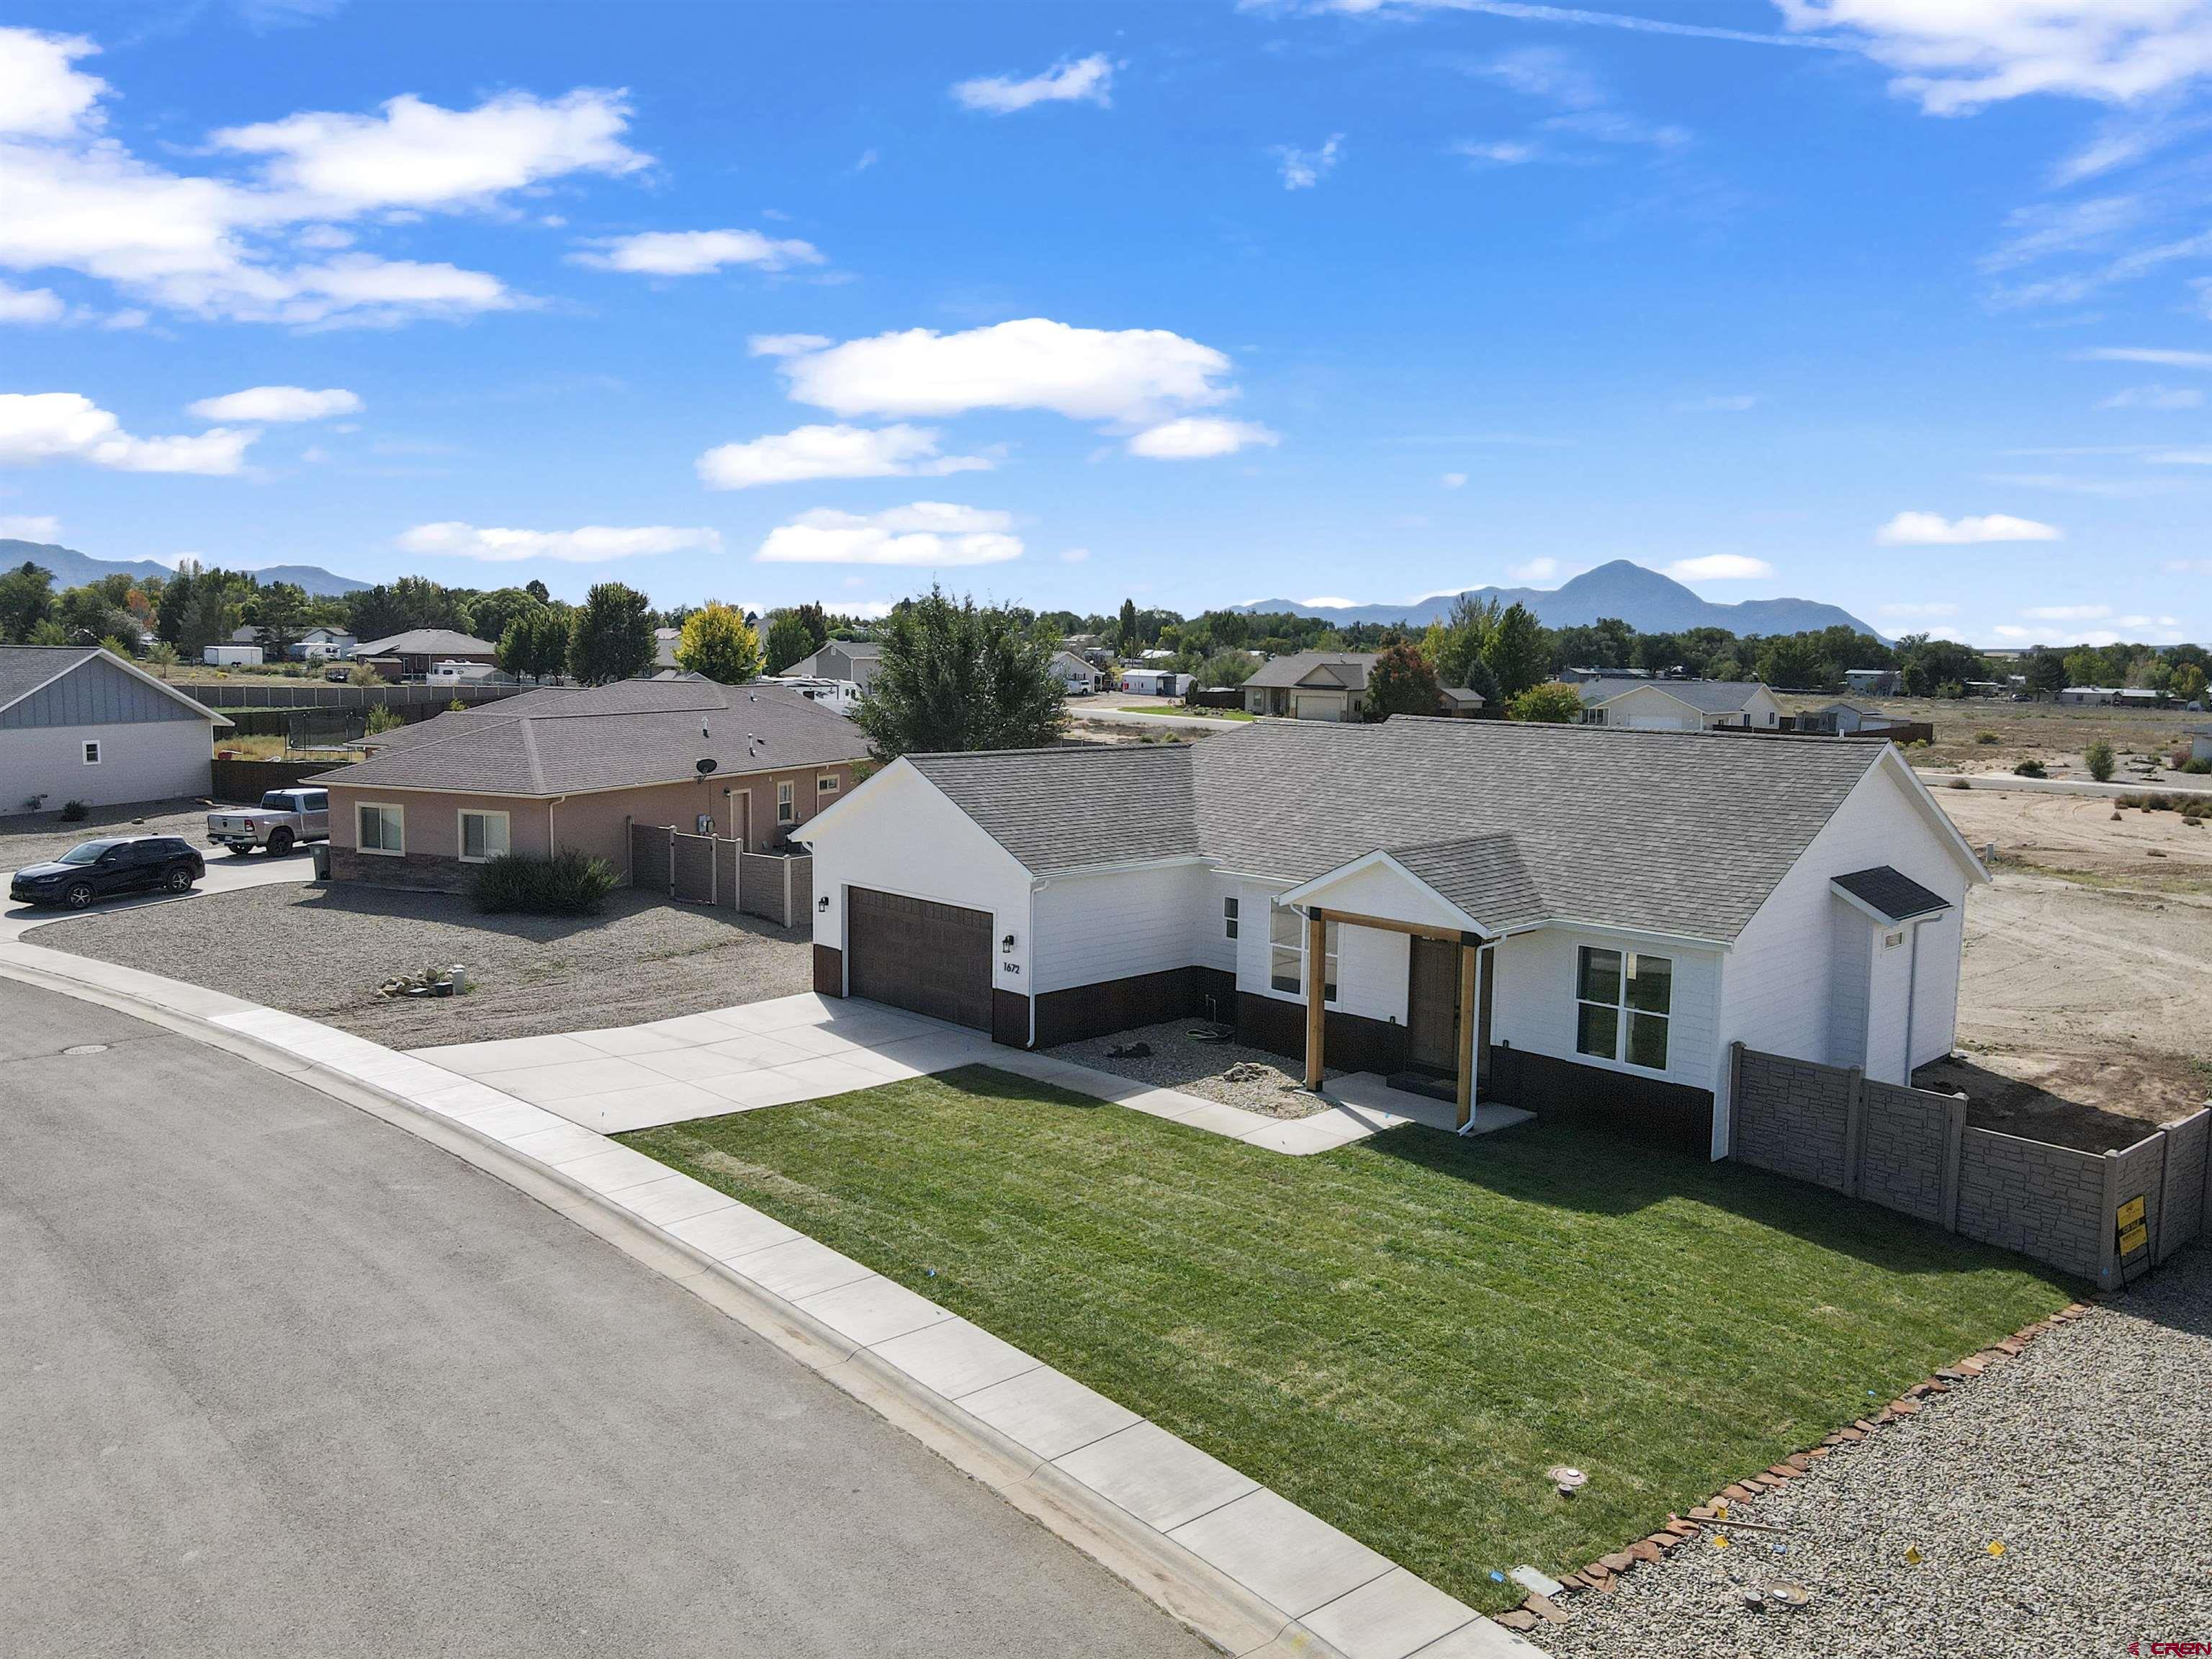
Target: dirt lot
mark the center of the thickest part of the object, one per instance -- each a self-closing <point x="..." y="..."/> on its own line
<point x="36" y="836"/>
<point x="2085" y="1009"/>
<point x="2047" y="731"/>
<point x="322" y="953"/>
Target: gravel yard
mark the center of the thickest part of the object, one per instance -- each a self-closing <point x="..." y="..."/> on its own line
<point x="1251" y="1078"/>
<point x="2089" y="1459"/>
<point x="322" y="951"/>
<point x="34" y="836"/>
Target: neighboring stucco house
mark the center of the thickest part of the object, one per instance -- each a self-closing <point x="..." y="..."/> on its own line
<point x="569" y="768"/>
<point x="1566" y="919"/>
<point x="78" y="723"/>
<point x="1331" y="686"/>
<point x="1679" y="705"/>
<point x="416" y="650"/>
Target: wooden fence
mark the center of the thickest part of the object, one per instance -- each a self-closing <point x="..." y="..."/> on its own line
<point x="249" y="779"/>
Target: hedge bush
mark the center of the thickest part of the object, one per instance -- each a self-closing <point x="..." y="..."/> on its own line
<point x="567" y="884"/>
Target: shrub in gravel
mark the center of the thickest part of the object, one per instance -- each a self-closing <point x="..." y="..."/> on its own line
<point x="2031" y="768"/>
<point x="75" y="812"/>
<point x="2099" y="757"/>
<point x="566" y="884"/>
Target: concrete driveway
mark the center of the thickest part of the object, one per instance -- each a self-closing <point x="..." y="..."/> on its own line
<point x="280" y="1379"/>
<point x="225" y="874"/>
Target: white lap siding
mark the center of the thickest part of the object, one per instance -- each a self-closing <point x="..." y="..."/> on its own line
<point x="1118" y="924"/>
<point x="1532" y="1000"/>
<point x="1784" y="978"/>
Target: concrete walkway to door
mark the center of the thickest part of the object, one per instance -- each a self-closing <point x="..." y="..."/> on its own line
<point x="804" y="1047"/>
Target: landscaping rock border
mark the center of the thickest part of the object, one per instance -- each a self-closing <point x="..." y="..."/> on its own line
<point x="1598" y="1576"/>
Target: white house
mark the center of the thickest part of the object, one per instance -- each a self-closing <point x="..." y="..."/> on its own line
<point x="317" y="644"/>
<point x="1679" y="705"/>
<point x="1156" y="682"/>
<point x="1567" y="919"/>
<point x="78" y="723"/>
<point x="1845" y="719"/>
<point x="846" y="665"/>
<point x="1078" y="677"/>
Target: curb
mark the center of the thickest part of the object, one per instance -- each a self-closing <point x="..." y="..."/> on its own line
<point x="1600" y="1574"/>
<point x="1198" y="1595"/>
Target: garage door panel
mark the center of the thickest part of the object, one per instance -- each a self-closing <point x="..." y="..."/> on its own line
<point x="931" y="958"/>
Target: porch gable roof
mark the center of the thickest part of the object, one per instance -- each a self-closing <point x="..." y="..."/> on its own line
<point x="1474" y="884"/>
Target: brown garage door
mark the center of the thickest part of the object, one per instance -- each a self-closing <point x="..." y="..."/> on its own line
<point x="932" y="958"/>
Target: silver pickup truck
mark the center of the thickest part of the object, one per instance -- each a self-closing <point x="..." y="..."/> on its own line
<point x="284" y="818"/>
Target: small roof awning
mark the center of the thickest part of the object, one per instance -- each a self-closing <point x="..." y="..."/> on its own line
<point x="1888" y="895"/>
<point x="1475" y="884"/>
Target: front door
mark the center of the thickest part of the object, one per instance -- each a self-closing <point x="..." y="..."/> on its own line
<point x="1432" y="1006"/>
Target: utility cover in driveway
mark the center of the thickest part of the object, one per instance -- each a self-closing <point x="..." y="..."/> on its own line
<point x="932" y="958"/>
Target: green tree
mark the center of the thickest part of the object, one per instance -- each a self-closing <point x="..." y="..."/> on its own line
<point x="279" y="613"/>
<point x="718" y="642"/>
<point x="1401" y="682"/>
<point x="1126" y="634"/>
<point x="1929" y="664"/>
<point x="2098" y="759"/>
<point x="27" y="598"/>
<point x="815" y="622"/>
<point x="1227" y="668"/>
<point x="2045" y="670"/>
<point x="162" y="657"/>
<point x="953" y="676"/>
<point x="1518" y="652"/>
<point x="208" y="617"/>
<point x="382" y="718"/>
<point x="613" y="636"/>
<point x="2187" y="683"/>
<point x="535" y="643"/>
<point x="537" y="591"/>
<point x="169" y="609"/>
<point x="789" y="641"/>
<point x="1795" y="660"/>
<point x="1551" y="704"/>
<point x="489" y="614"/>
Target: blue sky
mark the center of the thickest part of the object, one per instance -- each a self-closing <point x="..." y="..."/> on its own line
<point x="1902" y="304"/>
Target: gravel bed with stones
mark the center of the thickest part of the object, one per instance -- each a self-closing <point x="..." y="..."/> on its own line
<point x="1251" y="1078"/>
<point x="33" y="837"/>
<point x="322" y="951"/>
<point x="2088" y="1460"/>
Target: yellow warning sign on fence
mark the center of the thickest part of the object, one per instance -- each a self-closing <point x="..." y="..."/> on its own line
<point x="2133" y="1239"/>
<point x="2133" y="1234"/>
<point x="2131" y="1213"/>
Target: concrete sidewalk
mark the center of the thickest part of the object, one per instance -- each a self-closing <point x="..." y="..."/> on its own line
<point x="805" y="1047"/>
<point x="1252" y="1570"/>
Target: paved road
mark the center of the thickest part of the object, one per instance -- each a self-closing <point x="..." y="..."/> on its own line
<point x="278" y="1379"/>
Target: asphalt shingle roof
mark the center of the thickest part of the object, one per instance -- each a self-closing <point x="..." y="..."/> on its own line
<point x="1892" y="892"/>
<point x="25" y="668"/>
<point x="426" y="642"/>
<point x="1668" y="831"/>
<point x="1342" y="669"/>
<point x="625" y="735"/>
<point x="1711" y="696"/>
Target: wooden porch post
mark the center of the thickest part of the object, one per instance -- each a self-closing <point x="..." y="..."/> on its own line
<point x="1316" y="982"/>
<point x="1470" y="964"/>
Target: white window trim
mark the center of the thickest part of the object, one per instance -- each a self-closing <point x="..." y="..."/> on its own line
<point x="90" y="753"/>
<point x="1274" y="907"/>
<point x="787" y="801"/>
<point x="398" y="852"/>
<point x="827" y="783"/>
<point x="1618" y="1060"/>
<point x="1231" y="915"/>
<point x="461" y="815"/>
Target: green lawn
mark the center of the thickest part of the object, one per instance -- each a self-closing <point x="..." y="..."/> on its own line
<point x="1401" y="1335"/>
<point x="1200" y="714"/>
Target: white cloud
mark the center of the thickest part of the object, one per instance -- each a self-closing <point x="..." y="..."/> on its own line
<point x="922" y="533"/>
<point x="1502" y="152"/>
<point x="1933" y="530"/>
<point x="257" y="248"/>
<point x="1075" y="555"/>
<point x="1197" y="437"/>
<point x="592" y="544"/>
<point x="271" y="404"/>
<point x="1134" y="376"/>
<point x="694" y="252"/>
<point x="2181" y="458"/>
<point x="1957" y="57"/>
<point x="30" y="305"/>
<point x="1725" y="404"/>
<point x="1720" y="568"/>
<point x="1928" y="609"/>
<point x="45" y="426"/>
<point x="833" y="452"/>
<point x="1330" y="601"/>
<point x="2067" y="612"/>
<point x="30" y="526"/>
<point x="1304" y="169"/>
<point x="1071" y="80"/>
<point x="2155" y="397"/>
<point x="43" y="94"/>
<point x="1533" y="570"/>
<point x="1453" y="480"/>
<point x="786" y="345"/>
<point x="2186" y="566"/>
<point x="2011" y="631"/>
<point x="416" y="154"/>
<point x="2160" y="356"/>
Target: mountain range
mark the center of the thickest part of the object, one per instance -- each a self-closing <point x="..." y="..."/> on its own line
<point x="1646" y="600"/>
<point x="70" y="569"/>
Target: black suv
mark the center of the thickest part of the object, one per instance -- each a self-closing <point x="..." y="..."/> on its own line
<point x="108" y="866"/>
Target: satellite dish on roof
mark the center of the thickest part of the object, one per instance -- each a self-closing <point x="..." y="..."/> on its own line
<point x="707" y="765"/>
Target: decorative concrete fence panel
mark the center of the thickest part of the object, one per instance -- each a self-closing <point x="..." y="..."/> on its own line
<point x="776" y="888"/>
<point x="651" y="863"/>
<point x="2106" y="1216"/>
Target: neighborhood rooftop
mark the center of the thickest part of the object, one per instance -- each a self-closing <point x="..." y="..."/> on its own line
<point x="615" y="737"/>
<point x="1670" y="832"/>
<point x="425" y="642"/>
<point x="1711" y="696"/>
<point x="25" y="668"/>
<point x="1348" y="669"/>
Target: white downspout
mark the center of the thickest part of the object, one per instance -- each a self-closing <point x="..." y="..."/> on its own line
<point x="1911" y="998"/>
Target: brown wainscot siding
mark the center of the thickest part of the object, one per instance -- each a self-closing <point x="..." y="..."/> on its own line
<point x="596" y="824"/>
<point x="1648" y="1110"/>
<point x="1116" y="1004"/>
<point x="828" y="971"/>
<point x="1010" y="1019"/>
<point x="1350" y="1042"/>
